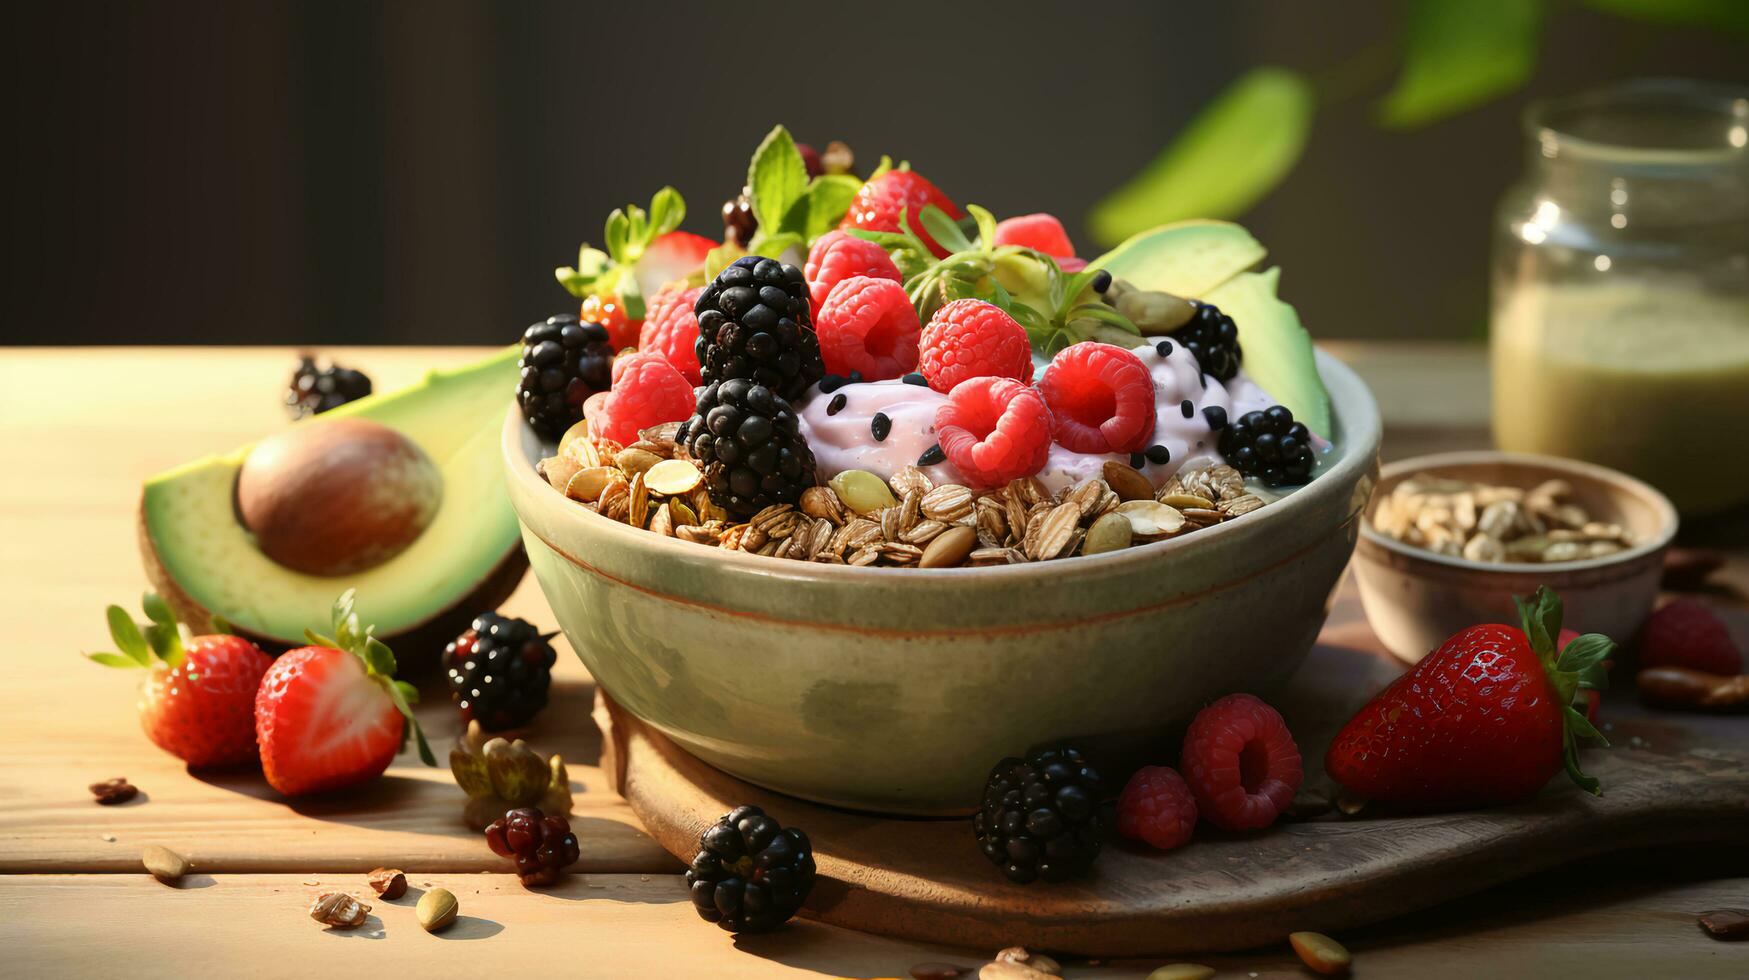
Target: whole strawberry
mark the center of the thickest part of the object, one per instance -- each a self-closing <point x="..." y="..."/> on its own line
<point x="198" y="699"/>
<point x="331" y="715"/>
<point x="881" y="202"/>
<point x="1486" y="719"/>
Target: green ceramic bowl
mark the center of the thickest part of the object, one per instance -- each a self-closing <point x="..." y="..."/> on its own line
<point x="895" y="690"/>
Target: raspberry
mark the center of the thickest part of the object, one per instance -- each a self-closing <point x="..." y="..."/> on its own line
<point x="671" y="330"/>
<point x="605" y="310"/>
<point x="837" y="256"/>
<point x="647" y="391"/>
<point x="969" y="338"/>
<point x="1102" y="397"/>
<point x="1156" y="806"/>
<point x="1685" y="633"/>
<point x="1241" y="763"/>
<point x="868" y="325"/>
<point x="878" y="205"/>
<point x="994" y="430"/>
<point x="1039" y="232"/>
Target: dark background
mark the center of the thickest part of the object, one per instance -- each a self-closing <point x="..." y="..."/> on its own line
<point x="325" y="173"/>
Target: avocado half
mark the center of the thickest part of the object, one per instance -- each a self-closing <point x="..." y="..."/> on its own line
<point x="469" y="559"/>
<point x="1210" y="261"/>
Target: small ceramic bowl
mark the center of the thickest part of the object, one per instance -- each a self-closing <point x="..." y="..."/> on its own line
<point x="896" y="690"/>
<point x="1416" y="599"/>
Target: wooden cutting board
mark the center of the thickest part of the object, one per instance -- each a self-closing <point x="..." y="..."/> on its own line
<point x="1668" y="779"/>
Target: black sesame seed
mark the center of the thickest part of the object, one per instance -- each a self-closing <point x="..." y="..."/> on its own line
<point x="1217" y="417"/>
<point x="1101" y="281"/>
<point x="1163" y="348"/>
<point x="856" y="377"/>
<point x="879" y="426"/>
<point x="1159" y="454"/>
<point x="1187" y="408"/>
<point x="932" y="456"/>
<point x="830" y="383"/>
<point x="837" y="404"/>
<point x="916" y="378"/>
<point x="1136" y="460"/>
<point x="1203" y="379"/>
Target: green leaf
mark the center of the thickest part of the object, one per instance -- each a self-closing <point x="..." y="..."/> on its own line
<point x="942" y="228"/>
<point x="1459" y="54"/>
<point x="775" y="244"/>
<point x="1730" y="15"/>
<point x="592" y="264"/>
<point x="318" y="640"/>
<point x="776" y="177"/>
<point x="986" y="225"/>
<point x="720" y="258"/>
<point x="881" y="168"/>
<point x="1225" y="160"/>
<point x="221" y="625"/>
<point x="113" y="660"/>
<point x="378" y="657"/>
<point x="822" y="207"/>
<point x="1585" y="652"/>
<point x="617" y="234"/>
<point x="165" y="635"/>
<point x="399" y="697"/>
<point x="408" y="691"/>
<point x="667" y="210"/>
<point x="1540" y="616"/>
<point x="126" y="634"/>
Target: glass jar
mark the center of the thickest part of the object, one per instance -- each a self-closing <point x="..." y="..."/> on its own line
<point x="1621" y="288"/>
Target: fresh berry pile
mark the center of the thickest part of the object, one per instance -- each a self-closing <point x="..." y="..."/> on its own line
<point x="1241" y="763"/>
<point x="542" y="846"/>
<point x="751" y="874"/>
<point x="1032" y="357"/>
<point x="499" y="671"/>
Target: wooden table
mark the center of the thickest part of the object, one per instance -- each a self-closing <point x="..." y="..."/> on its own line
<point x="82" y="428"/>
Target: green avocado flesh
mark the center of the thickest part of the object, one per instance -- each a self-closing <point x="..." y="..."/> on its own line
<point x="455" y="417"/>
<point x="1209" y="261"/>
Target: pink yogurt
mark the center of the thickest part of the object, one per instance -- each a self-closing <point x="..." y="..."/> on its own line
<point x="845" y="442"/>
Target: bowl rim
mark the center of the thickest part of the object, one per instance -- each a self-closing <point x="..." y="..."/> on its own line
<point x="1355" y="417"/>
<point x="1391" y="472"/>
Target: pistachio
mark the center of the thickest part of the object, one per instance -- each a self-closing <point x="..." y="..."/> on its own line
<point x="1319" y="952"/>
<point x="862" y="491"/>
<point x="949" y="548"/>
<point x="339" y="910"/>
<point x="436" y="909"/>
<point x="164" y="864"/>
<point x="469" y="768"/>
<point x="1110" y="533"/>
<point x="517" y="772"/>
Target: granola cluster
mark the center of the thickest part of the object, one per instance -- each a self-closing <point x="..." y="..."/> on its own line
<point x="908" y="521"/>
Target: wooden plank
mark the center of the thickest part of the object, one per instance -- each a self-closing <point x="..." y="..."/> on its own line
<point x="630" y="925"/>
<point x="68" y="540"/>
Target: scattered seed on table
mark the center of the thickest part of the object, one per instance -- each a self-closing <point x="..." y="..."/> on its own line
<point x="1321" y="953"/>
<point x="1726" y="923"/>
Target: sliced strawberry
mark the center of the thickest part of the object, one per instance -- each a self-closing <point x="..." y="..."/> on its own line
<point x="198" y="700"/>
<point x="674" y="255"/>
<point x="331" y="715"/>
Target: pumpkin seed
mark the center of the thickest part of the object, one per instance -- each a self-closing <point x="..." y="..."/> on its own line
<point x="587" y="484"/>
<point x="949" y="548"/>
<point x="1127" y="481"/>
<point x="1111" y="532"/>
<point x="1149" y="518"/>
<point x="672" y="477"/>
<point x="635" y="461"/>
<point x="862" y="491"/>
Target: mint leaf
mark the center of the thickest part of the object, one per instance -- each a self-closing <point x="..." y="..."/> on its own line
<point x="126" y="634"/>
<point x="776" y="177"/>
<point x="822" y="207"/>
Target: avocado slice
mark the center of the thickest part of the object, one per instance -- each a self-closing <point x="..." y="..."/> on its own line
<point x="468" y="559"/>
<point x="1277" y="351"/>
<point x="1208" y="261"/>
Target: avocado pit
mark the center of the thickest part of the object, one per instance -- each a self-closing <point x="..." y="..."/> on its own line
<point x="332" y="497"/>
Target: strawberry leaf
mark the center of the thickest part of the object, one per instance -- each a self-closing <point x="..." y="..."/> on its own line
<point x="397" y="695"/>
<point x="942" y="228"/>
<point x="222" y="626"/>
<point x="667" y="211"/>
<point x="1585" y="652"/>
<point x="378" y="657"/>
<point x="113" y="660"/>
<point x="1541" y="617"/>
<point x="164" y="635"/>
<point x="986" y="224"/>
<point x="126" y="635"/>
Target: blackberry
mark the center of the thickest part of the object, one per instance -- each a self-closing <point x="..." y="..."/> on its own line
<point x="1270" y="446"/>
<point x="499" y="672"/>
<point x="564" y="361"/>
<point x="753" y="323"/>
<point x="1043" y="816"/>
<point x="750" y="446"/>
<point x="542" y="846"/>
<point x="739" y="224"/>
<point x="1212" y="337"/>
<point x="315" y="389"/>
<point x="751" y="874"/>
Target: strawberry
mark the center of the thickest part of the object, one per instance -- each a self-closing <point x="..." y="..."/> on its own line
<point x="1487" y="718"/>
<point x="643" y="253"/>
<point x="197" y="702"/>
<point x="331" y="715"/>
<point x="899" y="193"/>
